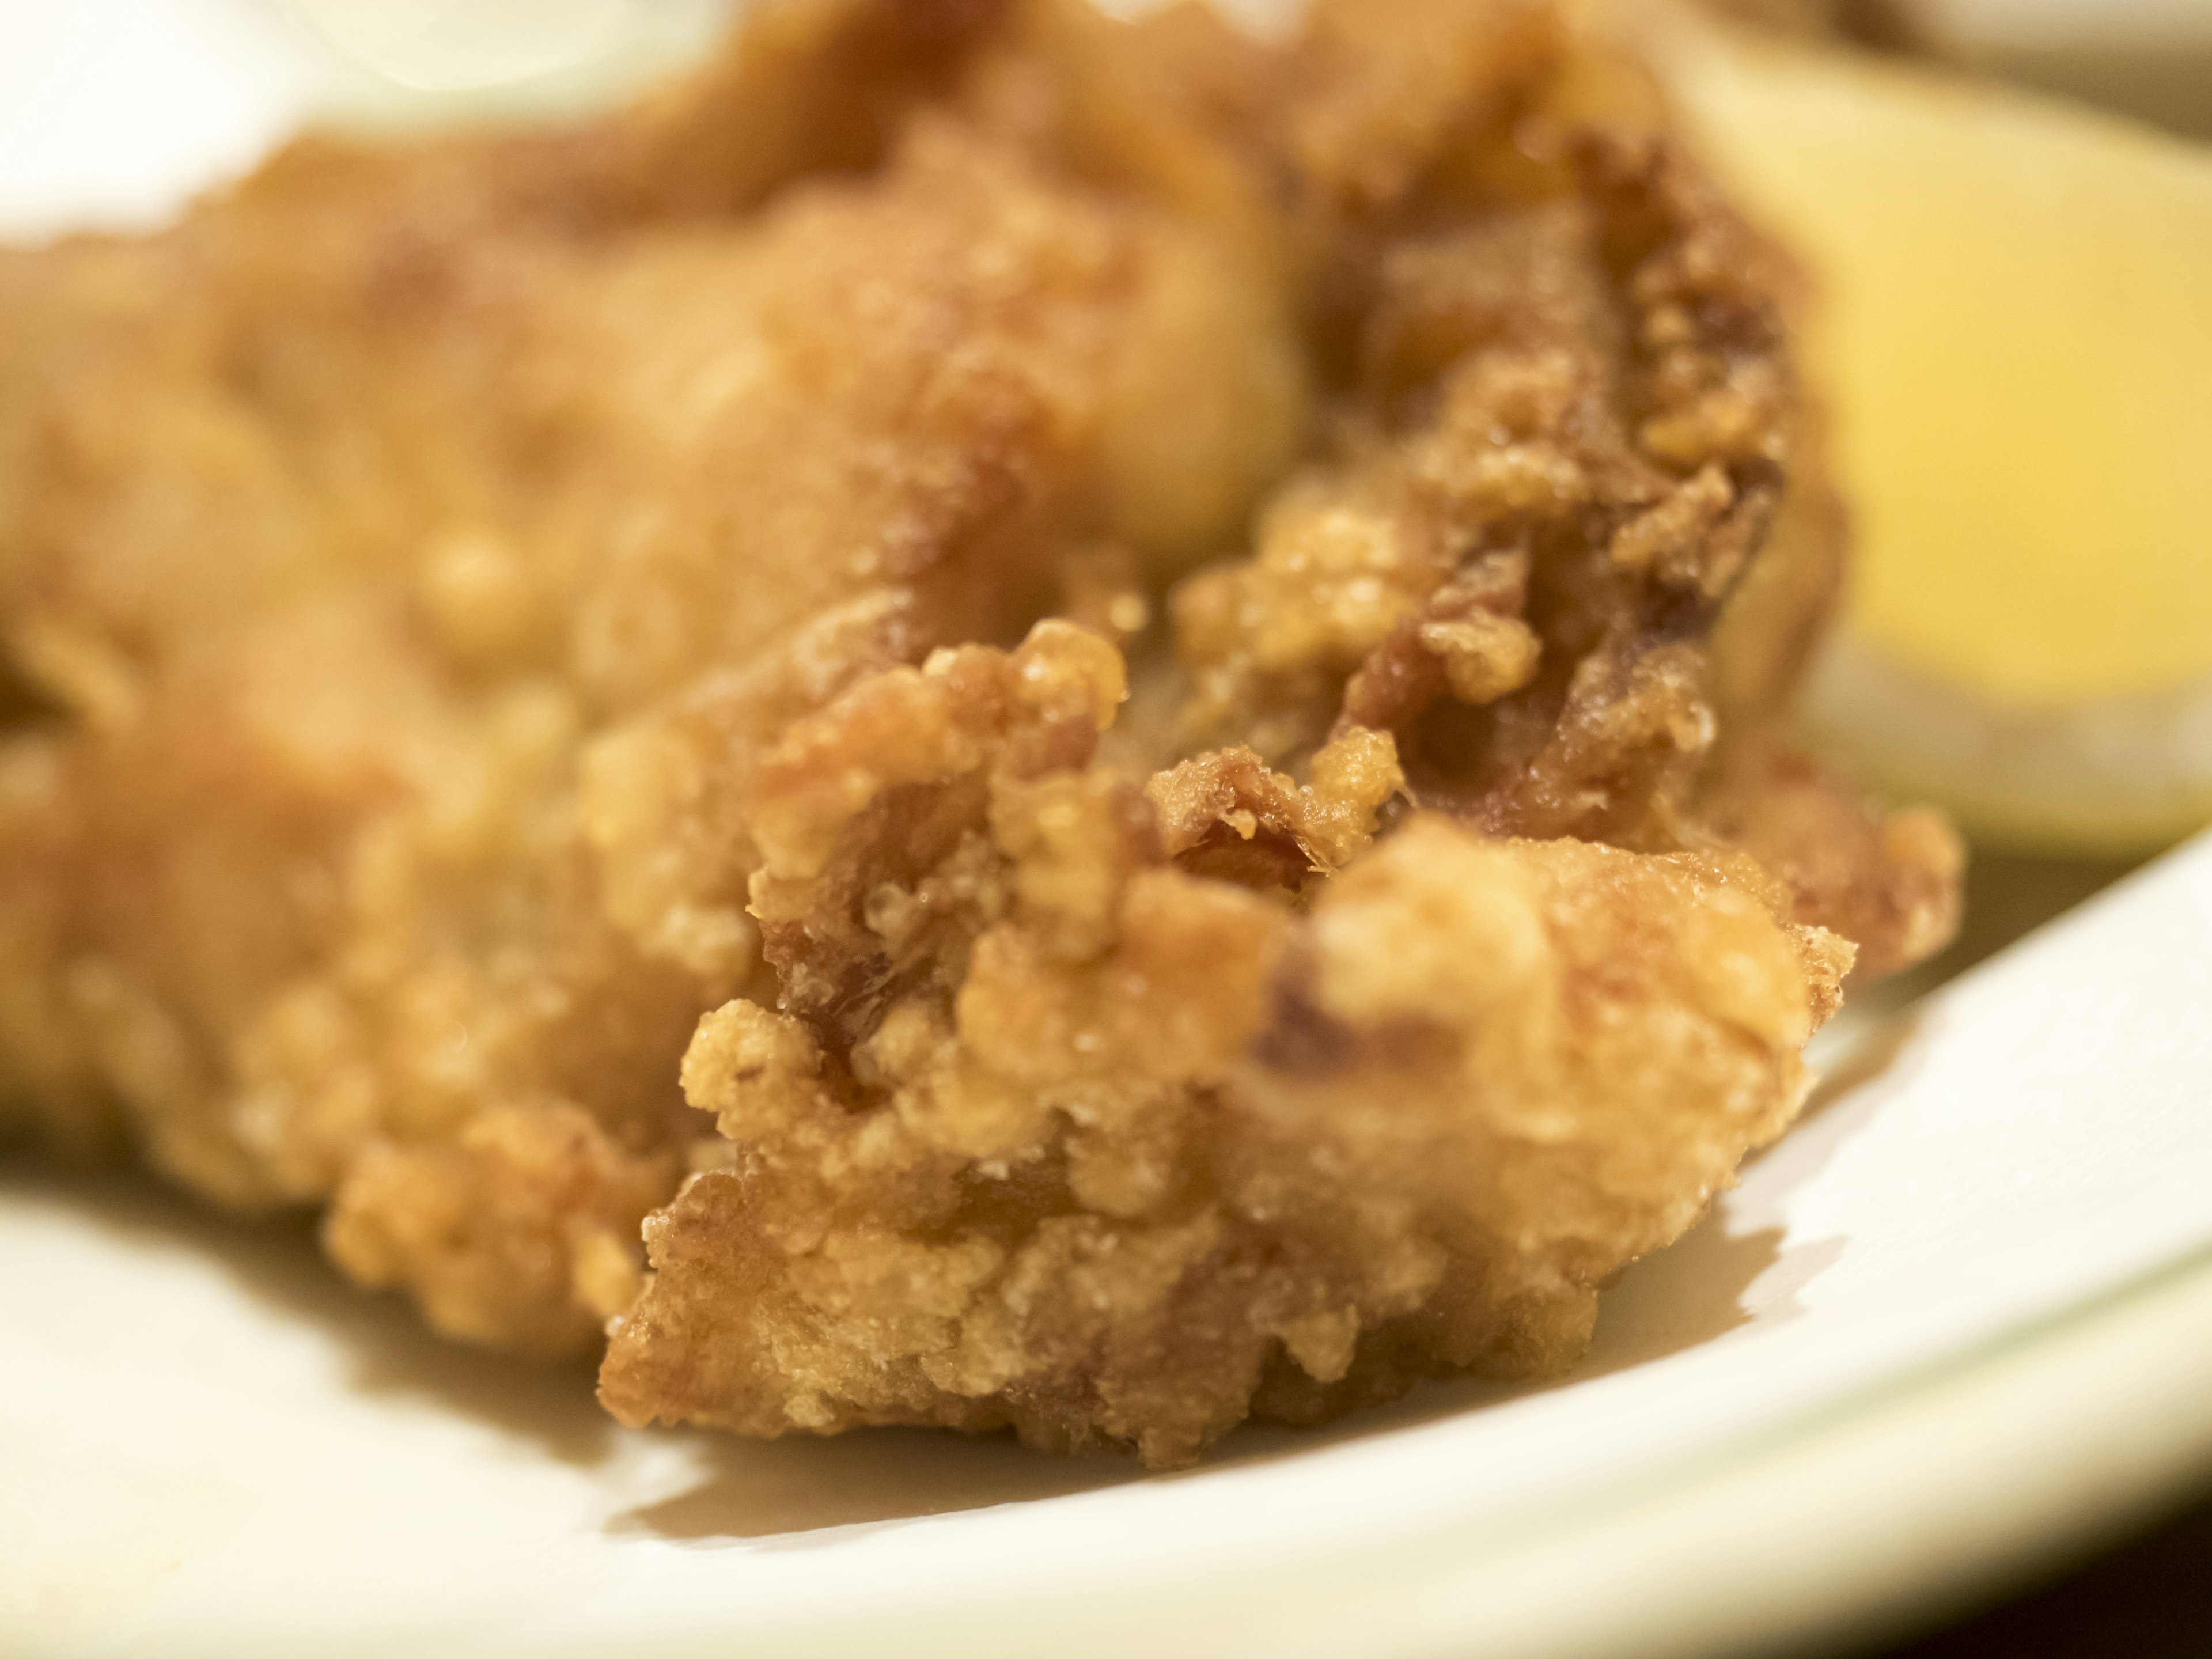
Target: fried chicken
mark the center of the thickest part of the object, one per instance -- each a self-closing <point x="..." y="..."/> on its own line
<point x="420" y="576"/>
<point x="1051" y="1131"/>
<point x="711" y="665"/>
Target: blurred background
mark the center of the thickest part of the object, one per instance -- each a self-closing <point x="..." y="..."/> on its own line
<point x="2146" y="63"/>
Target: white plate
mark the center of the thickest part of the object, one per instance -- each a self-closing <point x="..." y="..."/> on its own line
<point x="1956" y="1316"/>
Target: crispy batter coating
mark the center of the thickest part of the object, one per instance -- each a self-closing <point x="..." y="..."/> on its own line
<point x="1054" y="1132"/>
<point x="1572" y="432"/>
<point x="482" y="605"/>
<point x="1567" y="539"/>
<point x="1117" y="1109"/>
<point x="420" y="578"/>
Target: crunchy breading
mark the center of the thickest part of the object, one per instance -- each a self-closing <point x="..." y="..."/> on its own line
<point x="1117" y="1109"/>
<point x="522" y="723"/>
<point x="420" y="578"/>
<point x="1051" y="1130"/>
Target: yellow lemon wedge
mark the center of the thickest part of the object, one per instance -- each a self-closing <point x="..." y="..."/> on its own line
<point x="2014" y="341"/>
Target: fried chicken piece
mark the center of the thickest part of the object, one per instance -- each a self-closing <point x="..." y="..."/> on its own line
<point x="504" y="598"/>
<point x="1118" y="1107"/>
<point x="1054" y="1132"/>
<point x="421" y="574"/>
<point x="1570" y="540"/>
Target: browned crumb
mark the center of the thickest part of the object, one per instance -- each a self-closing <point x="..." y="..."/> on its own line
<point x="1889" y="880"/>
<point x="1054" y="1132"/>
<point x="500" y="600"/>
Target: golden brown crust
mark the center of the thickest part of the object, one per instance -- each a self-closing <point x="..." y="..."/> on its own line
<point x="1573" y="430"/>
<point x="495" y="601"/>
<point x="1054" y="1132"/>
<point x="1889" y="880"/>
<point x="422" y="547"/>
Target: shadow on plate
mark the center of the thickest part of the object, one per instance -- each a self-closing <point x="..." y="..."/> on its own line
<point x="275" y="1263"/>
<point x="798" y="1491"/>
